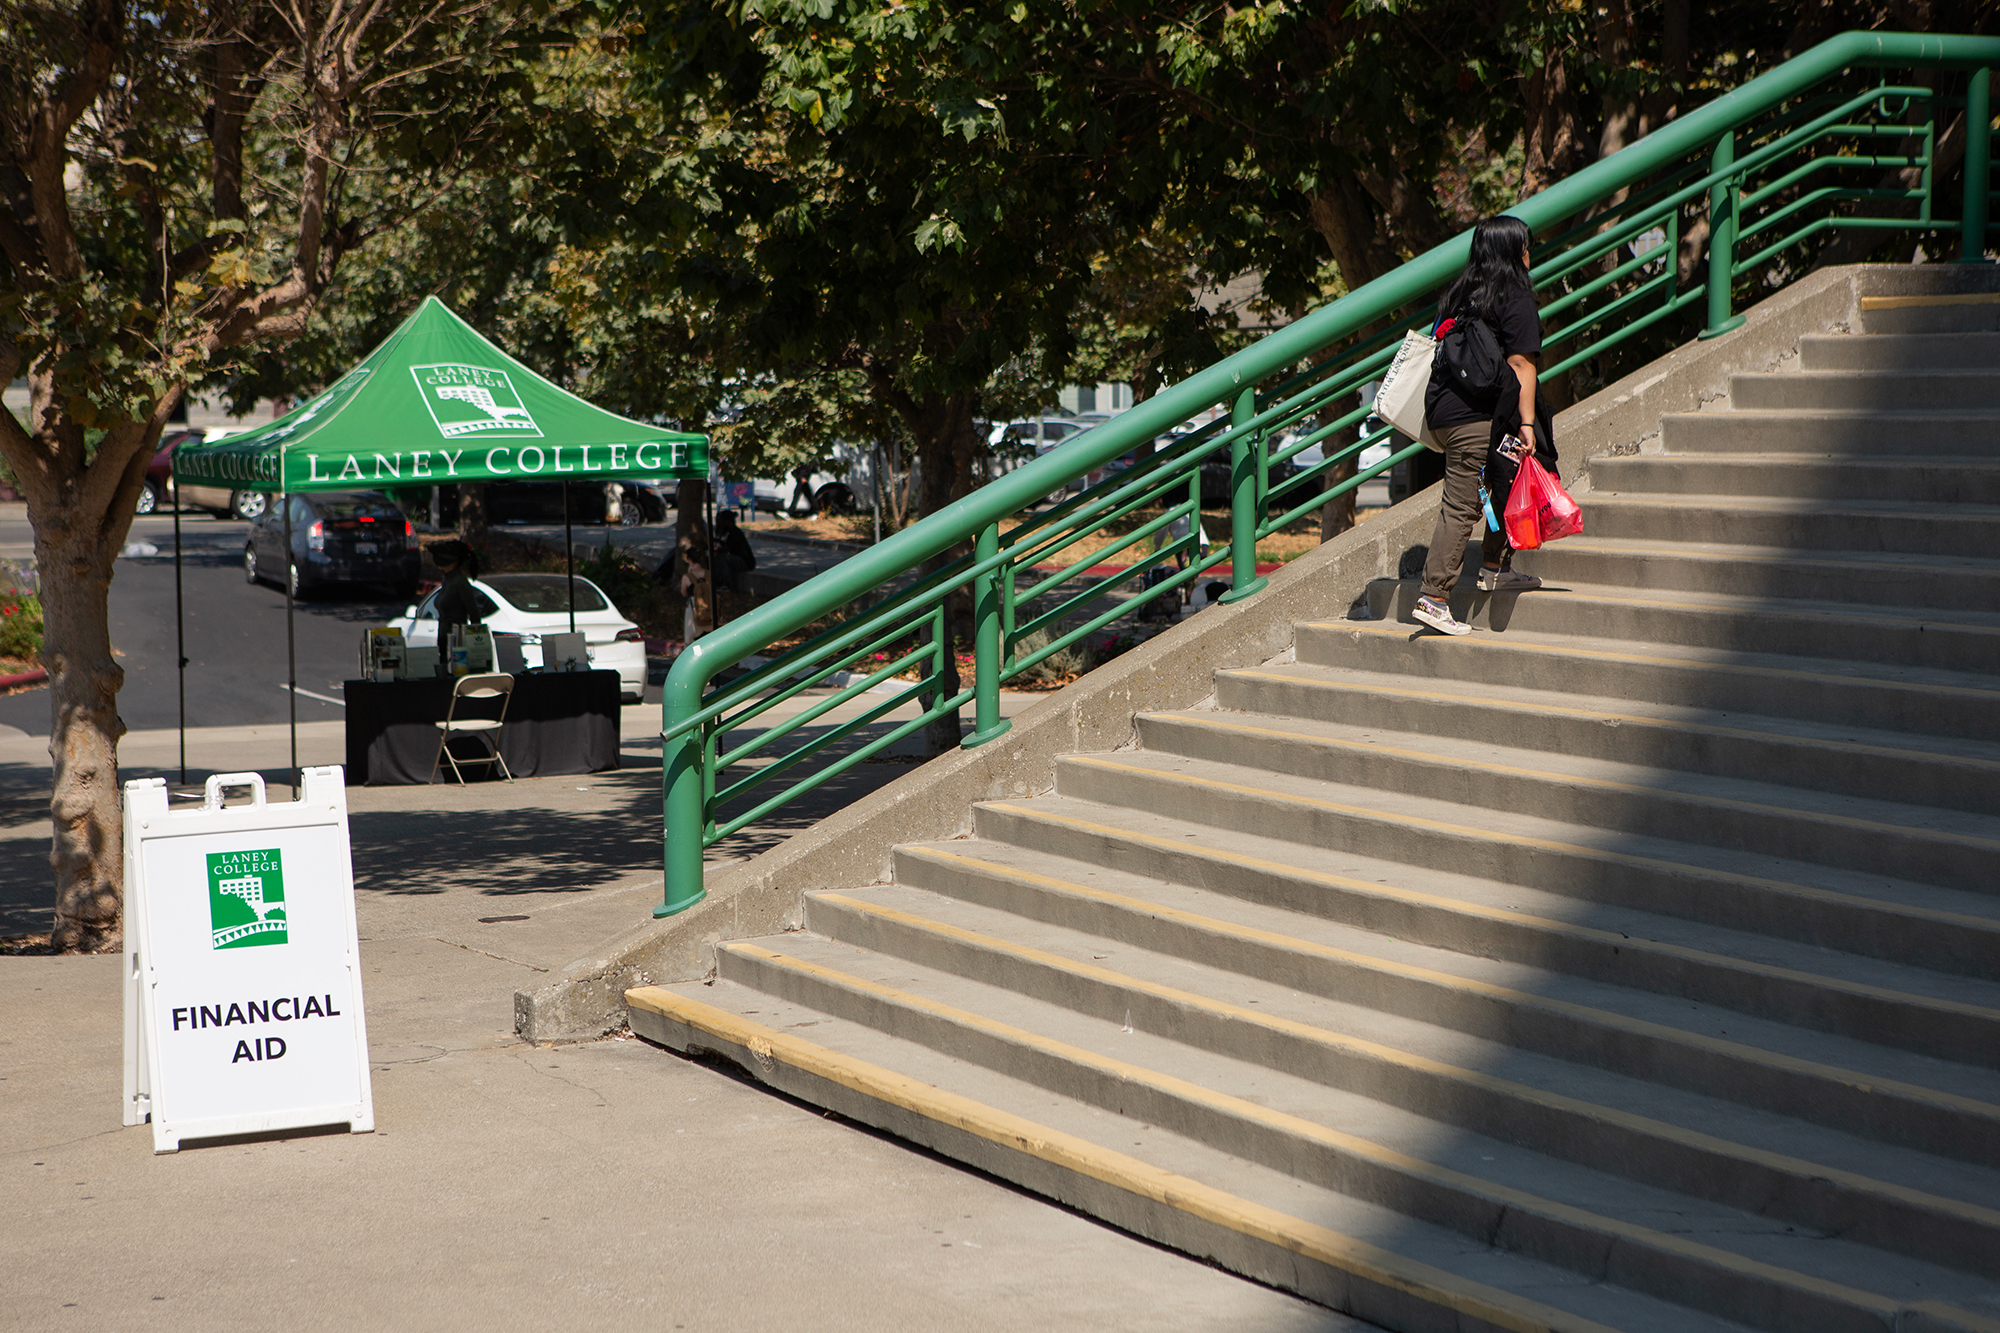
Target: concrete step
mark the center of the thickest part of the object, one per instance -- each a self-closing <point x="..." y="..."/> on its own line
<point x="1928" y="481"/>
<point x="1078" y="851"/>
<point x="1482" y="1187"/>
<point x="1962" y="705"/>
<point x="1329" y="1245"/>
<point x="1904" y="390"/>
<point x="1876" y="577"/>
<point x="1920" y="1102"/>
<point x="1158" y="958"/>
<point x="1948" y="848"/>
<point x="1946" y="773"/>
<point x="1954" y="640"/>
<point x="1977" y="312"/>
<point x="1832" y="434"/>
<point x="1797" y="523"/>
<point x="1941" y="930"/>
<point x="1906" y="351"/>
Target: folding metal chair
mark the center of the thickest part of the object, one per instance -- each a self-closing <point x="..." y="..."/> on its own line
<point x="474" y="687"/>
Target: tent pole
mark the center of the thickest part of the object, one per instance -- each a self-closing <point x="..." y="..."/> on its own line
<point x="708" y="525"/>
<point x="569" y="556"/>
<point x="180" y="640"/>
<point x="291" y="642"/>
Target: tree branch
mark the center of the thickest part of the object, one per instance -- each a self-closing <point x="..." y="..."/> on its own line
<point x="47" y="147"/>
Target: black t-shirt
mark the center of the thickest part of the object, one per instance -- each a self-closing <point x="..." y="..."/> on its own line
<point x="733" y="542"/>
<point x="458" y="603"/>
<point x="1519" y="330"/>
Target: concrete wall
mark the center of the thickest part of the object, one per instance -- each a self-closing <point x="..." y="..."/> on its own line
<point x="1173" y="670"/>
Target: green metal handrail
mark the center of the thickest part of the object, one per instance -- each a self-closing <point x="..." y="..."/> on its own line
<point x="1763" y="164"/>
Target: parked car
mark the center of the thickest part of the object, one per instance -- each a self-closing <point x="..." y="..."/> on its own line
<point x="222" y="501"/>
<point x="1215" y="483"/>
<point x="648" y="499"/>
<point x="542" y="502"/>
<point x="532" y="605"/>
<point x="159" y="485"/>
<point x="830" y="495"/>
<point x="338" y="537"/>
<point x="1044" y="433"/>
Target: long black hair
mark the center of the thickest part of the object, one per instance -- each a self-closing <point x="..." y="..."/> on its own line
<point x="458" y="554"/>
<point x="1494" y="271"/>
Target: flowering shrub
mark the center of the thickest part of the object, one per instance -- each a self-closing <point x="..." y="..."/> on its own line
<point x="20" y="624"/>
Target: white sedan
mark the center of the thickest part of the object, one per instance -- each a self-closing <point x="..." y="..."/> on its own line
<point x="532" y="605"/>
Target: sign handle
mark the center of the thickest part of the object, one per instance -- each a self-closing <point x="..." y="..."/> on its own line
<point x="221" y="782"/>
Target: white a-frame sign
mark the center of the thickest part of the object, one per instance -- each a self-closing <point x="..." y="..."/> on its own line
<point x="242" y="970"/>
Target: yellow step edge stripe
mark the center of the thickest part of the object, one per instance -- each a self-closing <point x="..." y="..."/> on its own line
<point x="1787" y="504"/>
<point x="1376" y="1051"/>
<point x="1352" y="1145"/>
<point x="1220" y="723"/>
<point x="1539" y="708"/>
<point x="1462" y="907"/>
<point x="1343" y="1253"/>
<point x="1633" y="547"/>
<point x="1828" y="896"/>
<point x="1908" y="302"/>
<point x="1399" y="630"/>
<point x="1601" y="595"/>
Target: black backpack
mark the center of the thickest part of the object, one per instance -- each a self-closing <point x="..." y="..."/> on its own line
<point x="1468" y="358"/>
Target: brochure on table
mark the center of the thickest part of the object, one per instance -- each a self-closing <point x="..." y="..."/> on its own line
<point x="243" y="1005"/>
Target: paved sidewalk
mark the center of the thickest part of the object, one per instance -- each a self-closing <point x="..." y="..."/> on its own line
<point x="510" y="1186"/>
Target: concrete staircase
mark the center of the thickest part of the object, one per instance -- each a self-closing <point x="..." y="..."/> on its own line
<point x="1633" y="963"/>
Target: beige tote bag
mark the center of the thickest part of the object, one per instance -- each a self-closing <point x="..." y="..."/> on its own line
<point x="1400" y="400"/>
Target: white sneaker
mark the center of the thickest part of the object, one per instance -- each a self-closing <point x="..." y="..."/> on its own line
<point x="1506" y="580"/>
<point x="1438" y="616"/>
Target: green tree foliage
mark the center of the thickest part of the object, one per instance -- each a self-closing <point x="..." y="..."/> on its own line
<point x="179" y="181"/>
<point x="916" y="194"/>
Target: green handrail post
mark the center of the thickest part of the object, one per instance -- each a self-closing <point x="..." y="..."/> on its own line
<point x="1243" y="578"/>
<point x="987" y="644"/>
<point x="1722" y="241"/>
<point x="1978" y="166"/>
<point x="682" y="776"/>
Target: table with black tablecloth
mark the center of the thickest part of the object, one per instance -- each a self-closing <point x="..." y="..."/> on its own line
<point x="557" y="722"/>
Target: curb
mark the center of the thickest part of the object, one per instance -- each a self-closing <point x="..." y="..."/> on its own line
<point x="1342" y="1272"/>
<point x="793" y="539"/>
<point x="32" y="676"/>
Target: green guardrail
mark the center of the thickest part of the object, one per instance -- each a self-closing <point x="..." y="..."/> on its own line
<point x="1770" y="167"/>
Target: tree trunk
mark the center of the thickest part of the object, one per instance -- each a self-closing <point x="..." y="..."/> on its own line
<point x="1622" y="123"/>
<point x="1340" y="213"/>
<point x="690" y="500"/>
<point x="81" y="521"/>
<point x="1553" y="137"/>
<point x="88" y="852"/>
<point x="472" y="512"/>
<point x="691" y="523"/>
<point x="1661" y="105"/>
<point x="946" y="447"/>
<point x="1337" y="515"/>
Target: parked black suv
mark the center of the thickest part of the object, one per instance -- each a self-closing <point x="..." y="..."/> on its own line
<point x="339" y="537"/>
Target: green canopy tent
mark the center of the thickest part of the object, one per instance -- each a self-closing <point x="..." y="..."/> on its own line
<point x="435" y="404"/>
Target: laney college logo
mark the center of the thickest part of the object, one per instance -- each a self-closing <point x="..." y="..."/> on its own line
<point x="246" y="898"/>
<point x="473" y="400"/>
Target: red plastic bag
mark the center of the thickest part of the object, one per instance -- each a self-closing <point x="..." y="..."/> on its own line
<point x="1539" y="510"/>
